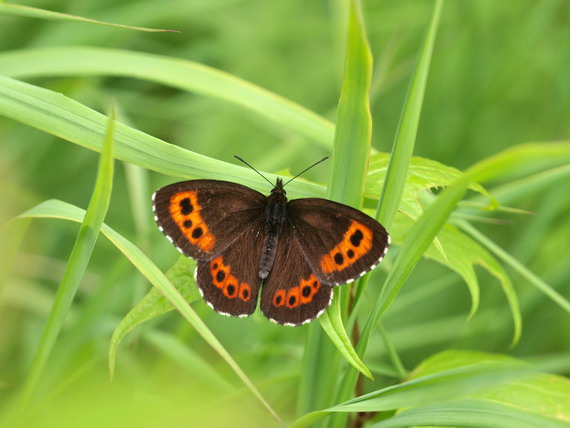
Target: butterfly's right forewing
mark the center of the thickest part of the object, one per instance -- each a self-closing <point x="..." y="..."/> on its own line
<point x="339" y="242"/>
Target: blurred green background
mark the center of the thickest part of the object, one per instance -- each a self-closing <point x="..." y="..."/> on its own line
<point x="500" y="76"/>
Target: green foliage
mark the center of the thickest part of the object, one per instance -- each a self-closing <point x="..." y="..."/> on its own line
<point x="465" y="86"/>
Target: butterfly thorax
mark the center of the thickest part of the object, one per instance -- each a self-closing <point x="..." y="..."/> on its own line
<point x="274" y="217"/>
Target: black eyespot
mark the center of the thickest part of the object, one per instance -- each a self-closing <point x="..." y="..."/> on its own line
<point x="350" y="254"/>
<point x="278" y="300"/>
<point x="186" y="206"/>
<point x="245" y="293"/>
<point x="220" y="275"/>
<point x="356" y="237"/>
<point x="338" y="258"/>
<point x="215" y="266"/>
<point x="292" y="300"/>
<point x="315" y="284"/>
<point x="306" y="291"/>
<point x="196" y="233"/>
<point x="187" y="224"/>
<point x="231" y="290"/>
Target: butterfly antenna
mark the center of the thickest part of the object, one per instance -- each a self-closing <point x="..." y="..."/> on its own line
<point x="265" y="178"/>
<point x="306" y="169"/>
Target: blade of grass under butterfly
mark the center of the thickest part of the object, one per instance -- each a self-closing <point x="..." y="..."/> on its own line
<point x="75" y="268"/>
<point x="178" y="73"/>
<point x="473" y="413"/>
<point x="61" y="116"/>
<point x="62" y="210"/>
<point x="417" y="241"/>
<point x="431" y="388"/>
<point x="349" y="165"/>
<point x="392" y="191"/>
<point x="542" y="286"/>
<point x="32" y="12"/>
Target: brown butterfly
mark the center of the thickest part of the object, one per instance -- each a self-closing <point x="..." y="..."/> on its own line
<point x="295" y="251"/>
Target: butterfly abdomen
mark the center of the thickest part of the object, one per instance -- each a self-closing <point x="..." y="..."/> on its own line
<point x="275" y="216"/>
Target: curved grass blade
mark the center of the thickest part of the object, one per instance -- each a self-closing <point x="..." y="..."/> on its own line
<point x="33" y="12"/>
<point x="391" y="196"/>
<point x="404" y="143"/>
<point x="349" y="166"/>
<point x="155" y="303"/>
<point x="471" y="413"/>
<point x="62" y="210"/>
<point x="432" y="388"/>
<point x="178" y="73"/>
<point x="61" y="116"/>
<point x="542" y="286"/>
<point x="75" y="268"/>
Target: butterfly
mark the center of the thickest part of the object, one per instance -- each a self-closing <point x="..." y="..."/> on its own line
<point x="293" y="251"/>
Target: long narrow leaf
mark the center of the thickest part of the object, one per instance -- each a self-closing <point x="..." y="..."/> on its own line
<point x="391" y="196"/>
<point x="75" y="268"/>
<point x="62" y="210"/>
<point x="185" y="75"/>
<point x="350" y="162"/>
<point x="33" y="12"/>
<point x="58" y="115"/>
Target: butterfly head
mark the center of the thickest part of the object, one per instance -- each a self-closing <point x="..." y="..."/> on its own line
<point x="278" y="189"/>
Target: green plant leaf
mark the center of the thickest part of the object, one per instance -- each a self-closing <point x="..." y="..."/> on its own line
<point x="352" y="142"/>
<point x="75" y="268"/>
<point x="423" y="175"/>
<point x="155" y="303"/>
<point x="58" y="115"/>
<point x="62" y="210"/>
<point x="452" y="375"/>
<point x="403" y="147"/>
<point x="32" y="12"/>
<point x="473" y="413"/>
<point x="391" y="197"/>
<point x="178" y="73"/>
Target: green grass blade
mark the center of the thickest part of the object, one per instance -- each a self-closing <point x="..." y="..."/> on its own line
<point x="432" y="388"/>
<point x="155" y="303"/>
<point x="404" y="143"/>
<point x="471" y="413"/>
<point x="58" y="115"/>
<point x="62" y="210"/>
<point x="76" y="266"/>
<point x="32" y="12"/>
<point x="541" y="285"/>
<point x="349" y="166"/>
<point x="184" y="75"/>
<point x="392" y="192"/>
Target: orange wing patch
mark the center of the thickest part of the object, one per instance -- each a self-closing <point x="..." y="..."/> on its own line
<point x="357" y="241"/>
<point x="299" y="295"/>
<point x="228" y="283"/>
<point x="185" y="211"/>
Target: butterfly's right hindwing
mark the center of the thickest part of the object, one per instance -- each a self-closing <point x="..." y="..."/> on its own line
<point x="292" y="294"/>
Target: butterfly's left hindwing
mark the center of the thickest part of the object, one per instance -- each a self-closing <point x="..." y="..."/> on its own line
<point x="339" y="242"/>
<point x="292" y="294"/>
<point x="230" y="281"/>
<point x="203" y="217"/>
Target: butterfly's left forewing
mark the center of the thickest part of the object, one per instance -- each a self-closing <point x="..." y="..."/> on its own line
<point x="203" y="217"/>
